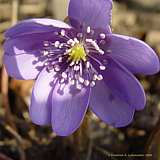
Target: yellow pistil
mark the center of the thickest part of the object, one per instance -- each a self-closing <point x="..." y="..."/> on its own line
<point x="77" y="53"/>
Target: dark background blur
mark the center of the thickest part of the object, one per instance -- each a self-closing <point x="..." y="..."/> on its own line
<point x="22" y="140"/>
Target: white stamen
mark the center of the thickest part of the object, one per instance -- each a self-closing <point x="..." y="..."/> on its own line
<point x="72" y="63"/>
<point x="88" y="29"/>
<point x="45" y="53"/>
<point x="70" y="41"/>
<point x="72" y="82"/>
<point x="101" y="51"/>
<point x="73" y="43"/>
<point x="46" y="43"/>
<point x="46" y="63"/>
<point x="87" y="64"/>
<point x="62" y="80"/>
<point x="56" y="44"/>
<point x="102" y="68"/>
<point x="57" y="68"/>
<point x="103" y="36"/>
<point x="61" y="45"/>
<point x="63" y="32"/>
<point x="100" y="77"/>
<point x="93" y="83"/>
<point x="95" y="45"/>
<point x="76" y="68"/>
<point x="76" y="40"/>
<point x="79" y="86"/>
<point x="95" y="77"/>
<point x="68" y="50"/>
<point x="86" y="82"/>
<point x="89" y="40"/>
<point x="64" y="75"/>
<point x="81" y="80"/>
<point x="60" y="59"/>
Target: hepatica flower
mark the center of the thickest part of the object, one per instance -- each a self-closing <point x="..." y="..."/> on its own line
<point x="77" y="65"/>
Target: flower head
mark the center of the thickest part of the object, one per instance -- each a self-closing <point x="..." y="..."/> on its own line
<point x="77" y="65"/>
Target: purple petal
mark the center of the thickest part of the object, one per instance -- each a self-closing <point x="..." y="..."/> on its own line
<point x="123" y="84"/>
<point x="24" y="66"/>
<point x="40" y="109"/>
<point x="134" y="54"/>
<point x="69" y="106"/>
<point x="28" y="43"/>
<point x="93" y="13"/>
<point x="30" y="26"/>
<point x="109" y="107"/>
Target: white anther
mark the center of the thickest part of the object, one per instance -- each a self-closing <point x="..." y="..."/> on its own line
<point x="45" y="53"/>
<point x="63" y="32"/>
<point x="46" y="43"/>
<point x="76" y="40"/>
<point x="79" y="86"/>
<point x="101" y="51"/>
<point x="88" y="29"/>
<point x="81" y="80"/>
<point x="60" y="59"/>
<point x="87" y="64"/>
<point x="72" y="82"/>
<point x="64" y="75"/>
<point x="68" y="50"/>
<point x="62" y="80"/>
<point x="102" y="68"/>
<point x="95" y="45"/>
<point x="72" y="63"/>
<point x="93" y="83"/>
<point x="70" y="41"/>
<point x="89" y="40"/>
<point x="46" y="63"/>
<point x="100" y="77"/>
<point x="57" y="68"/>
<point x="95" y="77"/>
<point x="61" y="45"/>
<point x="73" y="43"/>
<point x="56" y="44"/>
<point x="86" y="82"/>
<point x="76" y="68"/>
<point x="103" y="36"/>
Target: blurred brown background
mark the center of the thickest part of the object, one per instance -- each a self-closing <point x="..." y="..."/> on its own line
<point x="22" y="140"/>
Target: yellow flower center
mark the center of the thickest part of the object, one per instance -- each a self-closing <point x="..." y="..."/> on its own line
<point x="77" y="53"/>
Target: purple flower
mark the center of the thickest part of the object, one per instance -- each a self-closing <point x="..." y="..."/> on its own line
<point x="79" y="65"/>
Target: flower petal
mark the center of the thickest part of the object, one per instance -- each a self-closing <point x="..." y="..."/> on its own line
<point x="26" y="44"/>
<point x="30" y="26"/>
<point x="69" y="106"/>
<point x="40" y="109"/>
<point x="24" y="66"/>
<point x="93" y="13"/>
<point x="122" y="83"/>
<point x="134" y="54"/>
<point x="109" y="107"/>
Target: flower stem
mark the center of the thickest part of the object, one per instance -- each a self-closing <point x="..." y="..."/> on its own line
<point x="81" y="138"/>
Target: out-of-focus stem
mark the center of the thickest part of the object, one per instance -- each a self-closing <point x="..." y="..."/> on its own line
<point x="5" y="102"/>
<point x="4" y="86"/>
<point x="81" y="138"/>
<point x="15" y="6"/>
